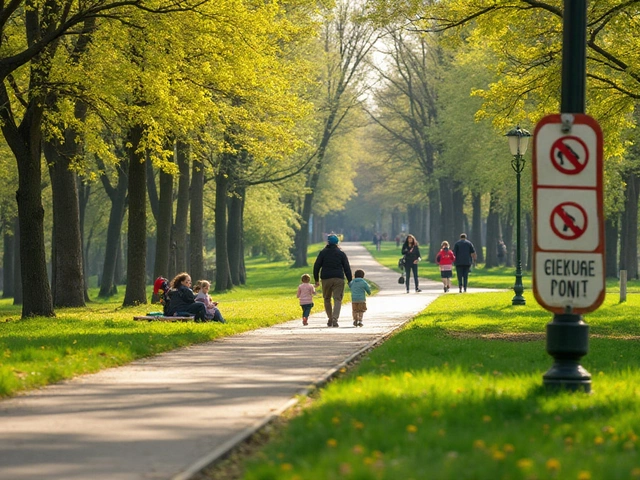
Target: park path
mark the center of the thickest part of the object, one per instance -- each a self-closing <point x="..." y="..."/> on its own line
<point x="168" y="416"/>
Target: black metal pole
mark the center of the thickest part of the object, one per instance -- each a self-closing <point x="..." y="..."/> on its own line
<point x="567" y="334"/>
<point x="518" y="288"/>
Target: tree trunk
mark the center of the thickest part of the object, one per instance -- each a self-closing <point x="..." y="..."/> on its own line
<point x="182" y="209"/>
<point x="17" y="274"/>
<point x="458" y="220"/>
<point x="7" y="264"/>
<point x="507" y="236"/>
<point x="476" y="226"/>
<point x="223" y="270"/>
<point x="68" y="277"/>
<point x="135" y="292"/>
<point x="196" y="236"/>
<point x="434" y="225"/>
<point x="84" y="191"/>
<point x="611" y="246"/>
<point x="629" y="227"/>
<point x="235" y="237"/>
<point x="446" y="211"/>
<point x="25" y="143"/>
<point x="493" y="233"/>
<point x="395" y="222"/>
<point x="118" y="197"/>
<point x="163" y="228"/>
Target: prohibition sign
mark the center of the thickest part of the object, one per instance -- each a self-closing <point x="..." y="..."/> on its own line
<point x="569" y="155"/>
<point x="565" y="221"/>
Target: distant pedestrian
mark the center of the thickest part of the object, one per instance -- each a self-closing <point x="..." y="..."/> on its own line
<point x="378" y="239"/>
<point x="398" y="240"/>
<point x="331" y="266"/>
<point x="411" y="253"/>
<point x="202" y="295"/>
<point x="465" y="257"/>
<point x="306" y="291"/>
<point x="182" y="300"/>
<point x="359" y="288"/>
<point x="445" y="259"/>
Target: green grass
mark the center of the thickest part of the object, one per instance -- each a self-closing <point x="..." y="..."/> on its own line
<point x="481" y="277"/>
<point x="457" y="394"/>
<point x="38" y="351"/>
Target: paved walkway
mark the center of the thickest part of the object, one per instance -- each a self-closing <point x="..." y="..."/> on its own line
<point x="168" y="416"/>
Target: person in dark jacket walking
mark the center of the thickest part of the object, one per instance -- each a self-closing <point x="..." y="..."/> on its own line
<point x="465" y="257"/>
<point x="331" y="266"/>
<point x="182" y="300"/>
<point x="411" y="253"/>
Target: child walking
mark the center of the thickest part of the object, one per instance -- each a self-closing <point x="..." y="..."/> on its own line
<point x="359" y="288"/>
<point x="306" y="291"/>
<point x="202" y="295"/>
<point x="445" y="259"/>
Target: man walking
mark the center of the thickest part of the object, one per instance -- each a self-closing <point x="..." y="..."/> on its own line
<point x="331" y="266"/>
<point x="465" y="256"/>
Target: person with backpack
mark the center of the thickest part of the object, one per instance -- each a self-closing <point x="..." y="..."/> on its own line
<point x="331" y="266"/>
<point x="445" y="259"/>
<point x="411" y="253"/>
<point x="182" y="300"/>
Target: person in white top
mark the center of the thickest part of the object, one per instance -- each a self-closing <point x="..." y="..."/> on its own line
<point x="306" y="291"/>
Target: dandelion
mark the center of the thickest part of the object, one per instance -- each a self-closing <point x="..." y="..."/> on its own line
<point x="479" y="444"/>
<point x="358" y="449"/>
<point x="359" y="378"/>
<point x="629" y="445"/>
<point x="332" y="442"/>
<point x="524" y="463"/>
<point x="345" y="468"/>
<point x="335" y="421"/>
<point x="436" y="414"/>
<point x="358" y="425"/>
<point x="553" y="465"/>
<point x="386" y="378"/>
<point x="598" y="440"/>
<point x="441" y="432"/>
<point x="509" y="448"/>
<point x="608" y="429"/>
<point x="343" y="370"/>
<point x="498" y="455"/>
<point x="584" y="475"/>
<point x="568" y="441"/>
<point x="412" y="428"/>
<point x="635" y="473"/>
<point x="408" y="375"/>
<point x="486" y="419"/>
<point x="286" y="467"/>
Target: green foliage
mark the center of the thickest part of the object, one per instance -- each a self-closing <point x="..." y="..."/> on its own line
<point x="457" y="394"/>
<point x="268" y="223"/>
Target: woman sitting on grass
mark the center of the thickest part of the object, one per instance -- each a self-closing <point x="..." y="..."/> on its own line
<point x="182" y="301"/>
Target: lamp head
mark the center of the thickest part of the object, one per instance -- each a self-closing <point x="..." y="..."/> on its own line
<point x="518" y="140"/>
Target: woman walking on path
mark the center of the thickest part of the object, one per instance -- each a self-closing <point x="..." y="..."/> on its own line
<point x="445" y="259"/>
<point x="331" y="266"/>
<point x="411" y="253"/>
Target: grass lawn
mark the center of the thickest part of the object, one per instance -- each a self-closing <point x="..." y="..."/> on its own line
<point x="38" y="351"/>
<point x="457" y="394"/>
<point x="497" y="277"/>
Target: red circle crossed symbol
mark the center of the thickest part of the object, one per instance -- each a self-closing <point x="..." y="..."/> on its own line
<point x="569" y="220"/>
<point x="569" y="155"/>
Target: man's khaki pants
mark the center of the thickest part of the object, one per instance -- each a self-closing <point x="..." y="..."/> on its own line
<point x="332" y="287"/>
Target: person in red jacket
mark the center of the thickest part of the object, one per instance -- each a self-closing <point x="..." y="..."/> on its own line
<point x="445" y="259"/>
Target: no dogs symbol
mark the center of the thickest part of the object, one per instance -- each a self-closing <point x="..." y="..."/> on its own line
<point x="569" y="221"/>
<point x="569" y="155"/>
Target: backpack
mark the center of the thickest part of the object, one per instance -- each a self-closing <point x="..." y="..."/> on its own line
<point x="161" y="288"/>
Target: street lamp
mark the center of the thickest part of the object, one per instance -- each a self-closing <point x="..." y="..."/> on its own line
<point x="518" y="142"/>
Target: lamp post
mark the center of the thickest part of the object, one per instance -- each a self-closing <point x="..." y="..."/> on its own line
<point x="518" y="142"/>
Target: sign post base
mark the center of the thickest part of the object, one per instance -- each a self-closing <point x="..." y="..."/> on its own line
<point x="567" y="343"/>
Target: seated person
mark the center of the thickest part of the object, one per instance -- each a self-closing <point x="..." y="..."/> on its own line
<point x="202" y="295"/>
<point x="182" y="299"/>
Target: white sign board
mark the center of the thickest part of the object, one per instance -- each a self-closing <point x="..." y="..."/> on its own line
<point x="568" y="256"/>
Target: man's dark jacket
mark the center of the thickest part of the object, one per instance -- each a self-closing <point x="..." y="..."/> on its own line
<point x="333" y="262"/>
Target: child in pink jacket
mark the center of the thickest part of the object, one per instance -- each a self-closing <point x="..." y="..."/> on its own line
<point x="306" y="291"/>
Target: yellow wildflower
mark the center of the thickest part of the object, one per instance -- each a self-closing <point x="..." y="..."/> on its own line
<point x="335" y="420"/>
<point x="524" y="463"/>
<point x="509" y="448"/>
<point x="479" y="444"/>
<point x="332" y="442"/>
<point x="598" y="440"/>
<point x="358" y="449"/>
<point x="584" y="475"/>
<point x="553" y="464"/>
<point x="286" y="467"/>
<point x="486" y="419"/>
<point x="498" y="455"/>
<point x="412" y="428"/>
